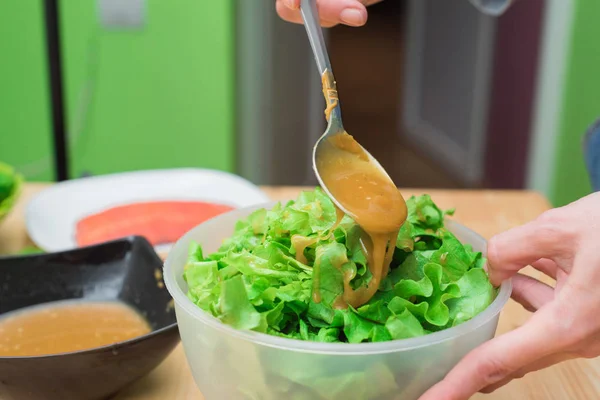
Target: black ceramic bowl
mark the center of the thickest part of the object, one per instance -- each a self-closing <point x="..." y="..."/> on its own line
<point x="122" y="270"/>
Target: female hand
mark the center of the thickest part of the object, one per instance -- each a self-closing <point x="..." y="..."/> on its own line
<point x="354" y="12"/>
<point x="332" y="12"/>
<point x="563" y="244"/>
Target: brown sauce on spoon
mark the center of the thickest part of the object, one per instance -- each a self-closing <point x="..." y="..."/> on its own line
<point x="369" y="197"/>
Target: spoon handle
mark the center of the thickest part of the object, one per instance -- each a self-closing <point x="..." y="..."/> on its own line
<point x="310" y="14"/>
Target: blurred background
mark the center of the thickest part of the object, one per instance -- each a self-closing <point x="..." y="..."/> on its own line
<point x="442" y="95"/>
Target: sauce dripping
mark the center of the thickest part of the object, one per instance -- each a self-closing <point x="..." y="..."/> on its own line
<point x="68" y="326"/>
<point x="368" y="195"/>
<point x="300" y="243"/>
<point x="330" y="93"/>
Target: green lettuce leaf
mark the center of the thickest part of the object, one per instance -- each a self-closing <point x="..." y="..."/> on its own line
<point x="476" y="293"/>
<point x="404" y="325"/>
<point x="235" y="308"/>
<point x="453" y="257"/>
<point x="358" y="329"/>
<point x="327" y="272"/>
<point x="202" y="279"/>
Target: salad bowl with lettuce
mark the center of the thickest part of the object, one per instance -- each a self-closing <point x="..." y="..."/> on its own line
<point x="251" y="327"/>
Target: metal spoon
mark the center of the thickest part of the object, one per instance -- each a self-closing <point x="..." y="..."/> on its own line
<point x="310" y="15"/>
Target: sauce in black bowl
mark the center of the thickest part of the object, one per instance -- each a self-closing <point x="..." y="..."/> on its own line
<point x="124" y="272"/>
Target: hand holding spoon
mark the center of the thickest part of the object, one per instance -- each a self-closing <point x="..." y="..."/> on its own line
<point x="354" y="179"/>
<point x="351" y="177"/>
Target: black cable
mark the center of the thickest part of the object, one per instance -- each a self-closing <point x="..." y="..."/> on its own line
<point x="61" y="161"/>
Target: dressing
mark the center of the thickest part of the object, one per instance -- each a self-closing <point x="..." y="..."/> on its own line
<point x="63" y="327"/>
<point x="370" y="198"/>
<point x="300" y="243"/>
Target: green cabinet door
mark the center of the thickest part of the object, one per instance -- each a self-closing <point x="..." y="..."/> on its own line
<point x="25" y="116"/>
<point x="154" y="95"/>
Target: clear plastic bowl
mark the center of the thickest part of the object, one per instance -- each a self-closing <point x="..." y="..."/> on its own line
<point x="230" y="364"/>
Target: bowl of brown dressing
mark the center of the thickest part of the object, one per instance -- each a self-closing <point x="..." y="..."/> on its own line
<point x="83" y="324"/>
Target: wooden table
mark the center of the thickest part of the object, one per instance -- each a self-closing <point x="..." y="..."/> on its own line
<point x="487" y="212"/>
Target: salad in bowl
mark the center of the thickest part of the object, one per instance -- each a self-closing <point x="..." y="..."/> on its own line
<point x="259" y="299"/>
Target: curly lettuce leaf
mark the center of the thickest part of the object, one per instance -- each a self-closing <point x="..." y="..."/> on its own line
<point x="358" y="329"/>
<point x="236" y="310"/>
<point x="327" y="274"/>
<point x="202" y="278"/>
<point x="476" y="293"/>
<point x="424" y="213"/>
<point x="404" y="325"/>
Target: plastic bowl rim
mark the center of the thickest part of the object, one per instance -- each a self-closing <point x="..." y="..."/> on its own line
<point x="392" y="346"/>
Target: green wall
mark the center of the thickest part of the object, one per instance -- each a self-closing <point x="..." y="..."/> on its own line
<point x="25" y="122"/>
<point x="156" y="97"/>
<point x="581" y="104"/>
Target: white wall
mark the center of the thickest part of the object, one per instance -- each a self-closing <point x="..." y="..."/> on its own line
<point x="447" y="84"/>
<point x="556" y="39"/>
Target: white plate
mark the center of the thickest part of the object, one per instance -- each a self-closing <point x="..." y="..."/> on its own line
<point x="51" y="216"/>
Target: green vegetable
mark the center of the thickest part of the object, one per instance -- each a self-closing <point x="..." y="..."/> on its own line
<point x="10" y="186"/>
<point x="255" y="282"/>
<point x="31" y="250"/>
